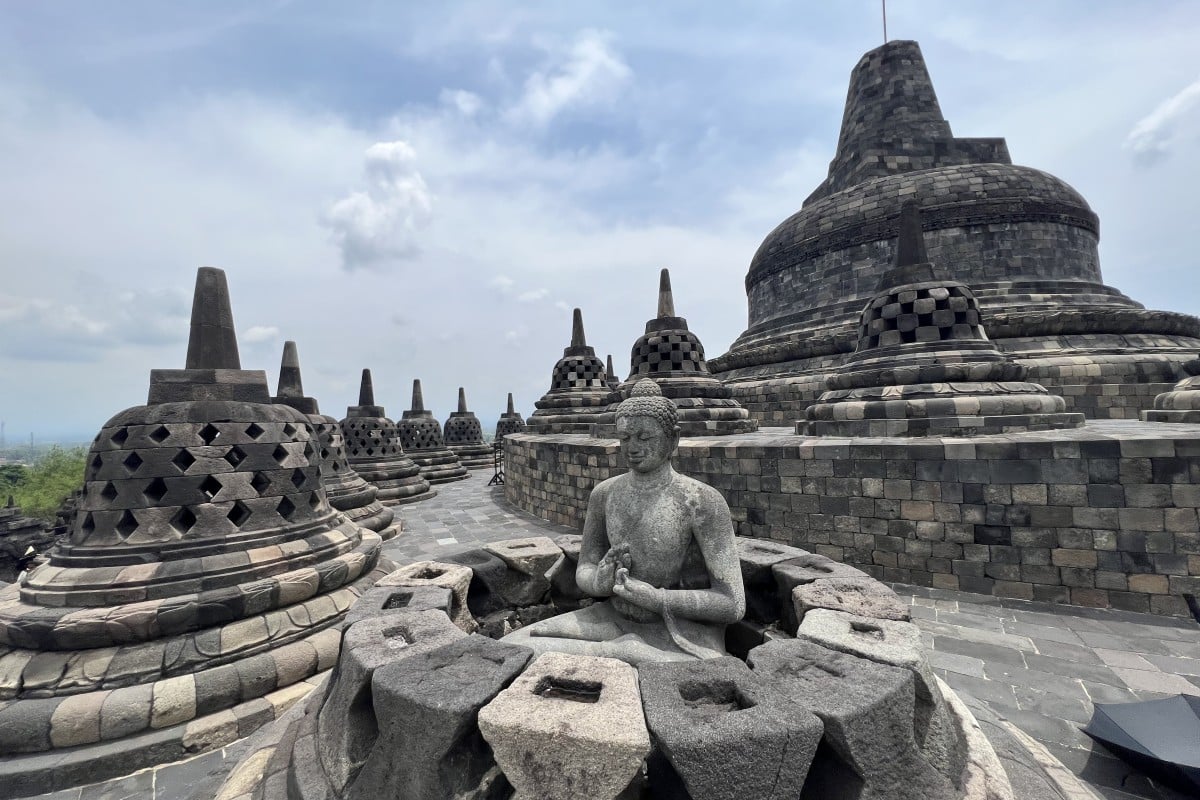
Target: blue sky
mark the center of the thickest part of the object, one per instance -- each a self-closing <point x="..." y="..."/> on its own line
<point x="428" y="189"/>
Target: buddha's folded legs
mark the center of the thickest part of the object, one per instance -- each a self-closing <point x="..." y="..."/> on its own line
<point x="599" y="630"/>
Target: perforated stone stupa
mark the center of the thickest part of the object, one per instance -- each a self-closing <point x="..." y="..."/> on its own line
<point x="510" y="421"/>
<point x="345" y="488"/>
<point x="375" y="451"/>
<point x="671" y="355"/>
<point x="1023" y="240"/>
<point x="463" y="434"/>
<point x="205" y="574"/>
<point x="422" y="438"/>
<point x="579" y="395"/>
<point x="924" y="365"/>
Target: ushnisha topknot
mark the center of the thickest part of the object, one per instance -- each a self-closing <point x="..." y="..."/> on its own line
<point x="646" y="400"/>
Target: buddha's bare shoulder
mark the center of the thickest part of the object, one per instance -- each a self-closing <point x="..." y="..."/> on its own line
<point x="699" y="493"/>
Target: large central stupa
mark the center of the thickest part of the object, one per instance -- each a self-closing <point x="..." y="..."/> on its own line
<point x="1026" y="243"/>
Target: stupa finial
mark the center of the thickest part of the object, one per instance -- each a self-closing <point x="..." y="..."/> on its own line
<point x="511" y="409"/>
<point x="12" y="503"/>
<point x="366" y="390"/>
<point x="418" y="399"/>
<point x="910" y="242"/>
<point x="212" y="343"/>
<point x="577" y="337"/>
<point x="462" y="400"/>
<point x="666" y="300"/>
<point x="608" y="366"/>
<point x="290" y="384"/>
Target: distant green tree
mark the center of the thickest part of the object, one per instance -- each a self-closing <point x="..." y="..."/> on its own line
<point x="11" y="476"/>
<point x="50" y="480"/>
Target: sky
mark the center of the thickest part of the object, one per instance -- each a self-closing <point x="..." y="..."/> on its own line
<point x="428" y="189"/>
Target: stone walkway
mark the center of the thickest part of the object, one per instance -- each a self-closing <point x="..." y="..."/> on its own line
<point x="1036" y="665"/>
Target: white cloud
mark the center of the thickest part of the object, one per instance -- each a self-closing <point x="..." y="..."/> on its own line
<point x="379" y="226"/>
<point x="466" y="103"/>
<point x="533" y="295"/>
<point x="590" y="73"/>
<point x="1155" y="133"/>
<point x="502" y="282"/>
<point x="260" y="334"/>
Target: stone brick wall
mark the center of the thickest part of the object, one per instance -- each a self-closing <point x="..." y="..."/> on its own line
<point x="1104" y="515"/>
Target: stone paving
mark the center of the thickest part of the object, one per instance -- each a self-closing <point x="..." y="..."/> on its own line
<point x="1036" y="665"/>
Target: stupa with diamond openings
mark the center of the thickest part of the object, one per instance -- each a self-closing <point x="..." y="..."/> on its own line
<point x="422" y="438"/>
<point x="374" y="450"/>
<point x="463" y="434"/>
<point x="346" y="489"/>
<point x="202" y="582"/>
<point x="579" y="394"/>
<point x="510" y="421"/>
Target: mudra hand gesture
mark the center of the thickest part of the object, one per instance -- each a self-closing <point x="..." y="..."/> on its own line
<point x="617" y="558"/>
<point x="640" y="593"/>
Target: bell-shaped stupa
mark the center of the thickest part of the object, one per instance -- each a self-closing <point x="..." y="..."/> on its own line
<point x="204" y="575"/>
<point x="924" y="365"/>
<point x="671" y="355"/>
<point x="463" y="434"/>
<point x="510" y="421"/>
<point x="422" y="438"/>
<point x="579" y="393"/>
<point x="375" y="451"/>
<point x="345" y="488"/>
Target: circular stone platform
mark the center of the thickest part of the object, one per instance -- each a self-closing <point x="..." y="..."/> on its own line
<point x="825" y="672"/>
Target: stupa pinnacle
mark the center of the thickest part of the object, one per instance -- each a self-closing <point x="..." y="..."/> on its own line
<point x="463" y="434"/>
<point x="376" y="453"/>
<point x="346" y="489"/>
<point x="422" y="438"/>
<point x="579" y="392"/>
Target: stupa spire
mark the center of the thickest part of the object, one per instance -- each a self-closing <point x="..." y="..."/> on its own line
<point x="511" y="409"/>
<point x="418" y="399"/>
<point x="666" y="300"/>
<point x="462" y="400"/>
<point x="910" y="242"/>
<point x="577" y="337"/>
<point x="366" y="390"/>
<point x="290" y="384"/>
<point x="212" y="343"/>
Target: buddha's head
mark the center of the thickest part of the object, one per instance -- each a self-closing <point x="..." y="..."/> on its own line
<point x="647" y="427"/>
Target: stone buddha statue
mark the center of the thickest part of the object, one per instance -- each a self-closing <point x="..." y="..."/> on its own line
<point x="658" y="552"/>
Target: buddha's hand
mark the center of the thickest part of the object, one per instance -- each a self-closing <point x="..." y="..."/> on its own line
<point x="606" y="571"/>
<point x="640" y="593"/>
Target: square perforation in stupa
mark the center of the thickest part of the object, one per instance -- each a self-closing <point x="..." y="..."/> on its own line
<point x="672" y="352"/>
<point x="932" y="314"/>
<point x="579" y="372"/>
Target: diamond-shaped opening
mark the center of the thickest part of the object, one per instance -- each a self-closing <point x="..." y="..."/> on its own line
<point x="314" y="500"/>
<point x="235" y="456"/>
<point x="97" y="461"/>
<point x="120" y="436"/>
<point x="89" y="524"/>
<point x="159" y="434"/>
<point x="239" y="513"/>
<point x="209" y="433"/>
<point x="324" y="454"/>
<point x="280" y="454"/>
<point x="127" y="524"/>
<point x="156" y="490"/>
<point x="308" y="450"/>
<point x="183" y="521"/>
<point x="336" y="466"/>
<point x="255" y="430"/>
<point x="109" y="492"/>
<point x="132" y="462"/>
<point x="289" y="429"/>
<point x="286" y="508"/>
<point x="211" y="487"/>
<point x="183" y="460"/>
<point x="298" y="478"/>
<point x="259" y="483"/>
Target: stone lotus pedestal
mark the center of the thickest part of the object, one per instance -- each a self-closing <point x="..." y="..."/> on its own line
<point x="671" y="355"/>
<point x="1182" y="403"/>
<point x="579" y="395"/>
<point x="422" y="438"/>
<point x="924" y="365"/>
<point x="345" y="488"/>
<point x="204" y="577"/>
<point x="463" y="434"/>
<point x="375" y="451"/>
<point x="510" y="421"/>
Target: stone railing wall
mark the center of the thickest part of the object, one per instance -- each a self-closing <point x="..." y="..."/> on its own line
<point x="1104" y="515"/>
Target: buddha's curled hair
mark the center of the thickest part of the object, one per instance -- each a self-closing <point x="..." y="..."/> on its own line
<point x="646" y="400"/>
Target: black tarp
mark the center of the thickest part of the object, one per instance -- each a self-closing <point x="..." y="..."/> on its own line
<point x="1160" y="737"/>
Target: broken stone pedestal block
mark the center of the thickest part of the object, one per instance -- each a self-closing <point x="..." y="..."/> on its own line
<point x="429" y="744"/>
<point x="723" y="733"/>
<point x="757" y="557"/>
<point x="346" y="724"/>
<point x="865" y="597"/>
<point x="382" y="600"/>
<point x="805" y="569"/>
<point x="454" y="577"/>
<point x="532" y="558"/>
<point x="570" y="728"/>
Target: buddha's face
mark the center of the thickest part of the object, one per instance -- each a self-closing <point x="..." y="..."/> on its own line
<point x="644" y="442"/>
